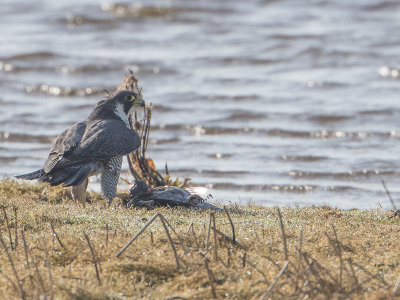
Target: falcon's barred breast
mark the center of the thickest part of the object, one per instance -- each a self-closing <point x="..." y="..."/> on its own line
<point x="95" y="145"/>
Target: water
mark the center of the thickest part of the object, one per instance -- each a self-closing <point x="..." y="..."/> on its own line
<point x="272" y="102"/>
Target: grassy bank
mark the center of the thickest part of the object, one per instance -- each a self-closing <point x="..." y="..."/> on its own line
<point x="312" y="252"/>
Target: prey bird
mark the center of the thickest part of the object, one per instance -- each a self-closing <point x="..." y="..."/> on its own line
<point x="95" y="145"/>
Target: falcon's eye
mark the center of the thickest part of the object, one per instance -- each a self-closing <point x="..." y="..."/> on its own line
<point x="130" y="98"/>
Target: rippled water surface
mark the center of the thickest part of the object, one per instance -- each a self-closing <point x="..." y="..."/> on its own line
<point x="273" y="102"/>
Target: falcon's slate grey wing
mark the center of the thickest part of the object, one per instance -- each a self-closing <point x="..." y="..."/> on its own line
<point x="107" y="138"/>
<point x="63" y="144"/>
<point x="101" y="141"/>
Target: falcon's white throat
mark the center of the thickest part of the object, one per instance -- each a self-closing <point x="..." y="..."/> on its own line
<point x="119" y="111"/>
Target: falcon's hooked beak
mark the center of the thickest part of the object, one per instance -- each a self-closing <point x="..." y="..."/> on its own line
<point x="140" y="103"/>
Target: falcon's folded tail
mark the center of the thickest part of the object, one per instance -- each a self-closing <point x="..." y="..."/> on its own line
<point x="30" y="176"/>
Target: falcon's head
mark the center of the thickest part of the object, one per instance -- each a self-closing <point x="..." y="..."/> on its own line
<point x="121" y="106"/>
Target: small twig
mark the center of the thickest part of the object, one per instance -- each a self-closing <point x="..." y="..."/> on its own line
<point x="299" y="264"/>
<point x="211" y="279"/>
<point x="10" y="281"/>
<point x="170" y="240"/>
<point x="244" y="259"/>
<point x="114" y="235"/>
<point x="8" y="227"/>
<point x="397" y="212"/>
<point x="227" y="238"/>
<point x="40" y="278"/>
<point x="48" y="267"/>
<point x="109" y="94"/>
<point x="25" y="247"/>
<point x="138" y="234"/>
<point x="15" y="228"/>
<point x="315" y="262"/>
<point x="190" y="227"/>
<point x="257" y="269"/>
<point x="215" y="248"/>
<point x="362" y="283"/>
<point x="316" y="274"/>
<point x="195" y="238"/>
<point x="265" y="295"/>
<point x="388" y="193"/>
<point x="350" y="262"/>
<point x="396" y="287"/>
<point x="232" y="226"/>
<point x="173" y="230"/>
<point x="208" y="233"/>
<point x="94" y="257"/>
<point x="151" y="238"/>
<point x="339" y="252"/>
<point x="369" y="273"/>
<point x="283" y="233"/>
<point x="56" y="235"/>
<point x="21" y="291"/>
<point x="305" y="283"/>
<point x="106" y="235"/>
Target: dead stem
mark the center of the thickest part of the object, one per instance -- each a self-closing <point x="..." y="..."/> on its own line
<point x="138" y="234"/>
<point x="265" y="295"/>
<point x="361" y="284"/>
<point x="173" y="230"/>
<point x="56" y="235"/>
<point x="388" y="194"/>
<point x="8" y="227"/>
<point x="39" y="276"/>
<point x="114" y="235"/>
<point x="211" y="279"/>
<point x="195" y="238"/>
<point x="47" y="261"/>
<point x="190" y="227"/>
<point x="215" y="248"/>
<point x="299" y="264"/>
<point x="25" y="247"/>
<point x="93" y="256"/>
<point x="106" y="235"/>
<point x="350" y="262"/>
<point x="257" y="269"/>
<point x="370" y="274"/>
<point x="170" y="240"/>
<point x="232" y="226"/>
<point x="244" y="256"/>
<point x="15" y="228"/>
<point x="208" y="234"/>
<point x="21" y="291"/>
<point x="396" y="287"/>
<point x="10" y="281"/>
<point x="227" y="238"/>
<point x="283" y="233"/>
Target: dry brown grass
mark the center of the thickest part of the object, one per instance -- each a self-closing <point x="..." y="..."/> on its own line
<point x="330" y="253"/>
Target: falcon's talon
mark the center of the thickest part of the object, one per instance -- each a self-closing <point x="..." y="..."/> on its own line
<point x="95" y="145"/>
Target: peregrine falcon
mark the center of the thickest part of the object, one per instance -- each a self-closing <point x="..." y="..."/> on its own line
<point x="95" y="145"/>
